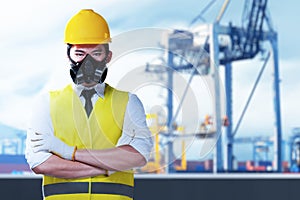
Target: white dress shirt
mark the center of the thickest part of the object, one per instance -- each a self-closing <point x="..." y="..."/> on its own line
<point x="135" y="131"/>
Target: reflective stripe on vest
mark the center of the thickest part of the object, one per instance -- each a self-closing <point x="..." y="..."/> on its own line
<point x="83" y="187"/>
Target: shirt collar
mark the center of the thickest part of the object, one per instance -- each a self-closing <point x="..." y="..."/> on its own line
<point x="99" y="88"/>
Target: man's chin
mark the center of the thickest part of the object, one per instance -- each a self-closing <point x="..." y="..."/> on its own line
<point x="92" y="84"/>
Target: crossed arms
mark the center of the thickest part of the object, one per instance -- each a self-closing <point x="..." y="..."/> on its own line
<point x="86" y="162"/>
<point x="48" y="155"/>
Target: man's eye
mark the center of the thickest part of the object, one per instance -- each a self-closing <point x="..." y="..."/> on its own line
<point x="97" y="54"/>
<point x="79" y="54"/>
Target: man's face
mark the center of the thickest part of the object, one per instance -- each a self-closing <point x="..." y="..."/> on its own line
<point x="97" y="51"/>
<point x="79" y="51"/>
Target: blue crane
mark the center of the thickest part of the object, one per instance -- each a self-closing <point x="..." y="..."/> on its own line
<point x="245" y="43"/>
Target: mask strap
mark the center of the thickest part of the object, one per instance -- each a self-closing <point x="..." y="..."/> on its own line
<point x="73" y="63"/>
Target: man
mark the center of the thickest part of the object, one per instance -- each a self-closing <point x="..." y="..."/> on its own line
<point x="86" y="138"/>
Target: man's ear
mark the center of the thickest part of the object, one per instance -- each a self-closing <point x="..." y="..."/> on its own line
<point x="108" y="57"/>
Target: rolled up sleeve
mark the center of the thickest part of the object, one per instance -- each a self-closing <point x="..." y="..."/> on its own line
<point x="135" y="130"/>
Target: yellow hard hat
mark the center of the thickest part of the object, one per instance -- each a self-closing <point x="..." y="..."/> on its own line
<point x="87" y="27"/>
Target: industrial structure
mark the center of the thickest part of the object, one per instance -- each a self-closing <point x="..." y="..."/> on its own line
<point x="201" y="52"/>
<point x="294" y="150"/>
<point x="12" y="159"/>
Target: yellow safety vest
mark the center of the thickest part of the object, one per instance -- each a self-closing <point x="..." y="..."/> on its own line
<point x="100" y="131"/>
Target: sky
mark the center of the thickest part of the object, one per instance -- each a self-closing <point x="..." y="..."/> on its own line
<point x="33" y="56"/>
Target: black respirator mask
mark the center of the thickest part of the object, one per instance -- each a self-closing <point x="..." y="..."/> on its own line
<point x="88" y="70"/>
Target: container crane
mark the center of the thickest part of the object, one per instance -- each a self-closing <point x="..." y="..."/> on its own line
<point x="246" y="44"/>
<point x="186" y="54"/>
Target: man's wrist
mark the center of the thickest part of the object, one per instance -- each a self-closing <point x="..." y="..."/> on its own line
<point x="74" y="152"/>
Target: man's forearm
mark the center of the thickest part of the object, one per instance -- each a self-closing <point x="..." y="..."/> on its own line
<point x="115" y="159"/>
<point x="61" y="168"/>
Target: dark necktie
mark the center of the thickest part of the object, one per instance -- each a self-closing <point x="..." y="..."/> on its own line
<point x="87" y="94"/>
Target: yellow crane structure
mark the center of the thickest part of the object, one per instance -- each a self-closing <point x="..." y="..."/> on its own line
<point x="154" y="165"/>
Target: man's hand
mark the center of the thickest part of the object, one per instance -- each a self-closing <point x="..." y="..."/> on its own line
<point x="47" y="142"/>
